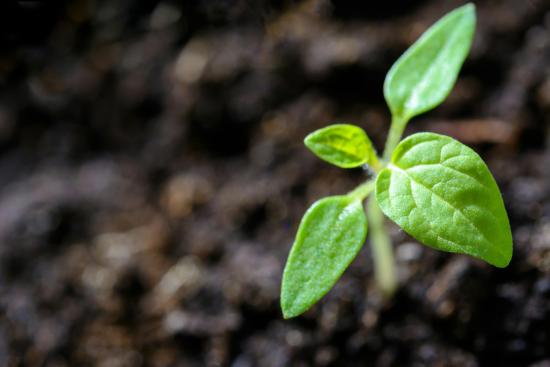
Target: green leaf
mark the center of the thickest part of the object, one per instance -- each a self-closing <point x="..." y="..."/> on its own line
<point x="343" y="145"/>
<point x="442" y="193"/>
<point x="330" y="235"/>
<point x="425" y="74"/>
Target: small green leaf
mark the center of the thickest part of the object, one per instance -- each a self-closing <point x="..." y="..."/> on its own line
<point x="442" y="193"/>
<point x="343" y="145"/>
<point x="425" y="74"/>
<point x="330" y="235"/>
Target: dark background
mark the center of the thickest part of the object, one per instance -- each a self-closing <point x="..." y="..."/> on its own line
<point x="152" y="177"/>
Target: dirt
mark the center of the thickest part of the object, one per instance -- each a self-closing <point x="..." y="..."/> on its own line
<point x="152" y="177"/>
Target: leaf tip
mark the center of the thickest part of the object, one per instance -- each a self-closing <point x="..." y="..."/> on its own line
<point x="502" y="257"/>
<point x="287" y="315"/>
<point x="468" y="11"/>
<point x="504" y="260"/>
<point x="288" y="299"/>
<point x="288" y="309"/>
<point x="308" y="140"/>
<point x="469" y="7"/>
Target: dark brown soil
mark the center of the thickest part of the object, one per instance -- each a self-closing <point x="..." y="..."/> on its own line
<point x="152" y="176"/>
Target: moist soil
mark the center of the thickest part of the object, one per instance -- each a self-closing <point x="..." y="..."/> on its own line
<point x="152" y="177"/>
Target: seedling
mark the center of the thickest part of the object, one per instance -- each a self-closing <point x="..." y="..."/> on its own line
<point x="435" y="188"/>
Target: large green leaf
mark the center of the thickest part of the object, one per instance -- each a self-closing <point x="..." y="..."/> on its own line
<point x="442" y="193"/>
<point x="425" y="74"/>
<point x="343" y="145"/>
<point x="331" y="233"/>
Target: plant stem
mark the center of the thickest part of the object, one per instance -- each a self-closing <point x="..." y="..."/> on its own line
<point x="382" y="251"/>
<point x="394" y="136"/>
<point x="362" y="191"/>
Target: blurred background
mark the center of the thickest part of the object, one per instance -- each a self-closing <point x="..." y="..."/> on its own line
<point x="152" y="177"/>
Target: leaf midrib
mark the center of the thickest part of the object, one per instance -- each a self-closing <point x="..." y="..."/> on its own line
<point x="400" y="170"/>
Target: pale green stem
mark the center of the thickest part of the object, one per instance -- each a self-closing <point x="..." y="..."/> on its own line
<point x="382" y="251"/>
<point x="375" y="164"/>
<point x="394" y="136"/>
<point x="362" y="191"/>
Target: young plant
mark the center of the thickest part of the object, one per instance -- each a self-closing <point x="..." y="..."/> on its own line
<point x="435" y="188"/>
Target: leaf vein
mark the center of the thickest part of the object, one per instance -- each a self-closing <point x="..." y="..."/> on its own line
<point x="473" y="224"/>
<point x="449" y="168"/>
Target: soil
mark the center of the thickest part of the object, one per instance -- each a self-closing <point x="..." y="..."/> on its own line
<point x="152" y="177"/>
